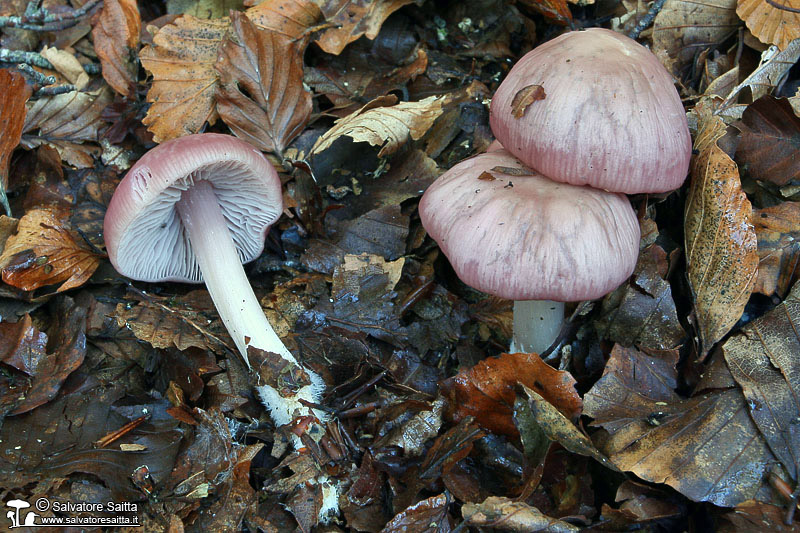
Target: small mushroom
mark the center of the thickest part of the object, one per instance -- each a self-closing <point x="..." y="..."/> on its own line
<point x="14" y="515"/>
<point x="607" y="115"/>
<point x="511" y="232"/>
<point x="194" y="209"/>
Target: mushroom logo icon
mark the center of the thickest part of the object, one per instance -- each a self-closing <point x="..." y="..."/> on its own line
<point x="14" y="515"/>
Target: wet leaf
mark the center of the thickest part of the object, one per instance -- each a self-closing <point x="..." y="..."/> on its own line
<point x="775" y="23"/>
<point x="757" y="516"/>
<point x="352" y="19"/>
<point x="44" y="252"/>
<point x="763" y="360"/>
<point x="768" y="146"/>
<point x="487" y="390"/>
<point x="429" y="515"/>
<point x="116" y="40"/>
<point x="721" y="254"/>
<point x="12" y="117"/>
<point x="560" y="429"/>
<point x="683" y="28"/>
<point x="65" y="122"/>
<point x="509" y="515"/>
<point x="183" y="322"/>
<point x="384" y="123"/>
<point x="181" y="61"/>
<point x="778" y="232"/>
<point x="642" y="312"/>
<point x="260" y="95"/>
<point x="555" y="10"/>
<point x="706" y="447"/>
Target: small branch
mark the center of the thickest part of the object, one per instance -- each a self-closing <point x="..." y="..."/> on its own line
<point x="54" y="90"/>
<point x="37" y="78"/>
<point x="37" y="60"/>
<point x="36" y="19"/>
<point x="647" y="19"/>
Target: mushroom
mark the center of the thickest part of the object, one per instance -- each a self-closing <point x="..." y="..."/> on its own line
<point x="14" y="515"/>
<point x="511" y="232"/>
<point x="194" y="209"/>
<point x="594" y="107"/>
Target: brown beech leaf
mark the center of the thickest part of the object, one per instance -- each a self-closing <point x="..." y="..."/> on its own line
<point x="763" y="360"/>
<point x="757" y="516"/>
<point x="204" y="9"/>
<point x="721" y="251"/>
<point x="384" y="123"/>
<point x="183" y="322"/>
<point x="642" y="312"/>
<point x="116" y="41"/>
<point x="706" y="447"/>
<point x="555" y="10"/>
<point x="65" y="122"/>
<point x="524" y="98"/>
<point x="426" y="516"/>
<point x="181" y="60"/>
<point x="509" y="515"/>
<point x="772" y="22"/>
<point x="768" y="146"/>
<point x="683" y="28"/>
<point x="778" y="232"/>
<point x="352" y="19"/>
<point x="260" y="95"/>
<point x="12" y="117"/>
<point x="290" y="18"/>
<point x="44" y="252"/>
<point x="487" y="390"/>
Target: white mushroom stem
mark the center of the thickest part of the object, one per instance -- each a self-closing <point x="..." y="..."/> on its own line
<point x="537" y="324"/>
<point x="234" y="298"/>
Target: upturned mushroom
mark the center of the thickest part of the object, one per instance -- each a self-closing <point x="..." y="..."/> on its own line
<point x="192" y="210"/>
<point x="594" y="107"/>
<point x="511" y="232"/>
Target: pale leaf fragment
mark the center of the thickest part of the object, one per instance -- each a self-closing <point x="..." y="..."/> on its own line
<point x="509" y="515"/>
<point x="380" y="123"/>
<point x="773" y="67"/>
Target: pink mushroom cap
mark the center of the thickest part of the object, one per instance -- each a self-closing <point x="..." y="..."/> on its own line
<point x="144" y="236"/>
<point x="513" y="233"/>
<point x="610" y="116"/>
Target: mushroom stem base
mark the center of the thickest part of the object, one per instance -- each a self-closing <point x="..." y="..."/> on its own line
<point x="233" y="296"/>
<point x="537" y="324"/>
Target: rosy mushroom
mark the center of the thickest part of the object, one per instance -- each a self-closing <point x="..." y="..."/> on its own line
<point x="513" y="233"/>
<point x="194" y="209"/>
<point x="594" y="107"/>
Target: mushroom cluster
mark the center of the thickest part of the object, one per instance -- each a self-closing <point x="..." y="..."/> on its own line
<point x="541" y="217"/>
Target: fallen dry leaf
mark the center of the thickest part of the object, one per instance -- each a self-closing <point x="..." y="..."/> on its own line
<point x="44" y="252"/>
<point x="260" y="95"/>
<point x="181" y="60"/>
<point x="683" y="27"/>
<point x="65" y="122"/>
<point x="353" y="18"/>
<point x="509" y="515"/>
<point x="384" y="123"/>
<point x="778" y="232"/>
<point x="768" y="146"/>
<point x="721" y="251"/>
<point x="182" y="322"/>
<point x="706" y="447"/>
<point x="67" y="65"/>
<point x="12" y="117"/>
<point x="773" y="67"/>
<point x="757" y="516"/>
<point x="763" y="360"/>
<point x="116" y="41"/>
<point x="487" y="390"/>
<point x="771" y="22"/>
<point x="204" y="9"/>
<point x="290" y="18"/>
<point x="524" y="98"/>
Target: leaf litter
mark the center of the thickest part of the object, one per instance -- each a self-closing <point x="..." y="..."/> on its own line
<point x="118" y="390"/>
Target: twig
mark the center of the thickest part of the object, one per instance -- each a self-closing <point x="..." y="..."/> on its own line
<point x="37" y="60"/>
<point x="37" y="78"/>
<point x="37" y="19"/>
<point x="647" y="19"/>
<point x="55" y="90"/>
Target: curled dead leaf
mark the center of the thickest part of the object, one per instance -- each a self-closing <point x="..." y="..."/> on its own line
<point x="778" y="232"/>
<point x="525" y="97"/>
<point x="353" y="18"/>
<point x="12" y="117"/>
<point x="116" y="41"/>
